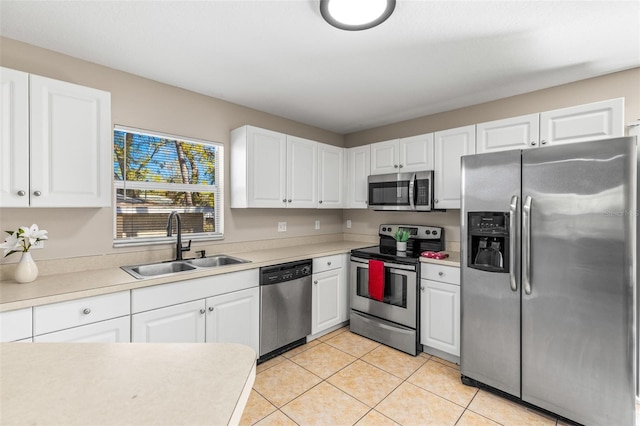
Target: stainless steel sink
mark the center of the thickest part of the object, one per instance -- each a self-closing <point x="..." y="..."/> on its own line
<point x="153" y="270"/>
<point x="215" y="261"/>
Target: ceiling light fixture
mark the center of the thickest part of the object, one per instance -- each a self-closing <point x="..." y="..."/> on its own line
<point x="355" y="15"/>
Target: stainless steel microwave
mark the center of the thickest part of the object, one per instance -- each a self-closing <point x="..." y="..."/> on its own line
<point x="401" y="191"/>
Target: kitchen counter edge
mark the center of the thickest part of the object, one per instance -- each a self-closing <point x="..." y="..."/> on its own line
<point x="76" y="285"/>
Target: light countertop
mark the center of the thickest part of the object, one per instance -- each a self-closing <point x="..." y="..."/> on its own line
<point x="125" y="383"/>
<point x="69" y="286"/>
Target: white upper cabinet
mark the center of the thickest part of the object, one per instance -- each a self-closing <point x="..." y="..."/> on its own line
<point x="511" y="133"/>
<point x="331" y="176"/>
<point x="416" y="153"/>
<point x="258" y="168"/>
<point x="358" y="170"/>
<point x="385" y="157"/>
<point x="412" y="154"/>
<point x="56" y="143"/>
<point x="598" y="120"/>
<point x="271" y="169"/>
<point x="450" y="146"/>
<point x="14" y="138"/>
<point x="302" y="172"/>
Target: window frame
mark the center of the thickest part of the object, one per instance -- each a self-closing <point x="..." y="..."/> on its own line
<point x="217" y="191"/>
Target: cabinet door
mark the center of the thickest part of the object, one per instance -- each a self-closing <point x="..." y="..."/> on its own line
<point x="14" y="138"/>
<point x="266" y="168"/>
<point x="71" y="157"/>
<point x="331" y="177"/>
<point x="511" y="133"/>
<point x="302" y="173"/>
<point x="111" y="331"/>
<point x="234" y="318"/>
<point x="581" y="123"/>
<point x="450" y="146"/>
<point x="182" y="323"/>
<point x="358" y="170"/>
<point x="328" y="300"/>
<point x="440" y="316"/>
<point x="385" y="157"/>
<point x="416" y="153"/>
<point x="15" y="325"/>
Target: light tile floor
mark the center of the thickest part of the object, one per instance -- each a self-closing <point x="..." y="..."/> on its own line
<point x="345" y="379"/>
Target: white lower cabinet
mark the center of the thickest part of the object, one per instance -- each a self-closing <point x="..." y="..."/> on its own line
<point x="221" y="308"/>
<point x="330" y="292"/>
<point x="183" y="323"/>
<point x="234" y="318"/>
<point x="15" y="325"/>
<point x="440" y="308"/>
<point x="116" y="330"/>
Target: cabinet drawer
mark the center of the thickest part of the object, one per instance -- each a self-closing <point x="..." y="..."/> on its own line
<point x="327" y="263"/>
<point x="15" y="325"/>
<point x="446" y="274"/>
<point x="73" y="313"/>
<point x="115" y="330"/>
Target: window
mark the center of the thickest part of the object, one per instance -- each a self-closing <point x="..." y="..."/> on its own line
<point x="155" y="174"/>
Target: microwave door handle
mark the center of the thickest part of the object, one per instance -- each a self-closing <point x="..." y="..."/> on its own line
<point x="412" y="189"/>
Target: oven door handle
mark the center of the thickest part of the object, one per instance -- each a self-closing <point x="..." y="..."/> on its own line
<point x="365" y="264"/>
<point x="412" y="191"/>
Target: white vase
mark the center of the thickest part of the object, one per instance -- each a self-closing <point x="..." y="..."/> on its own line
<point x="26" y="270"/>
<point x="401" y="245"/>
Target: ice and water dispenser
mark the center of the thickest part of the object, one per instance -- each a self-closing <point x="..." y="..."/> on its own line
<point x="488" y="241"/>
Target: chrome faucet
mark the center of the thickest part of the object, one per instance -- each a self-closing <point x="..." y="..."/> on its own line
<point x="179" y="248"/>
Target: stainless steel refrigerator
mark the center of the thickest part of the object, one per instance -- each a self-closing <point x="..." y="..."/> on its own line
<point x="548" y="268"/>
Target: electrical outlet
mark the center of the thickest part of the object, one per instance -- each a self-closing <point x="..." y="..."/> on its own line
<point x="37" y="245"/>
<point x="349" y="223"/>
<point x="317" y="224"/>
<point x="282" y="226"/>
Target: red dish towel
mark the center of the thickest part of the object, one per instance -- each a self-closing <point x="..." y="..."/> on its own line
<point x="376" y="280"/>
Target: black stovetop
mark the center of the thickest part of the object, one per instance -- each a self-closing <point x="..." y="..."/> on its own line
<point x="422" y="238"/>
<point x="387" y="253"/>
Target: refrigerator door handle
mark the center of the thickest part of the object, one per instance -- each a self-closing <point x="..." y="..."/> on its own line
<point x="513" y="214"/>
<point x="526" y="244"/>
<point x="412" y="188"/>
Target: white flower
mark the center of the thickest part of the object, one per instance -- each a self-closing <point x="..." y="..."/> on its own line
<point x="33" y="234"/>
<point x="11" y="243"/>
<point x="22" y="239"/>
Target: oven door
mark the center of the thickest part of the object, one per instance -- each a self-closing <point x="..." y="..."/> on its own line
<point x="399" y="304"/>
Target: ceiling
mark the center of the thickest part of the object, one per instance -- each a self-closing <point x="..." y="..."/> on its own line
<point x="282" y="58"/>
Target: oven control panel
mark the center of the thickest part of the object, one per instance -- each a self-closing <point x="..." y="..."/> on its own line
<point x="418" y="232"/>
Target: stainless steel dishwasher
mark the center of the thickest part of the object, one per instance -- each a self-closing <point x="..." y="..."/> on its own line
<point x="285" y="307"/>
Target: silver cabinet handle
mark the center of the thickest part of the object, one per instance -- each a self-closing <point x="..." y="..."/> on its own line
<point x="316" y="282"/>
<point x="543" y="142"/>
<point x="210" y="308"/>
<point x="513" y="218"/>
<point x="320" y="201"/>
<point x="401" y="166"/>
<point x="328" y="263"/>
<point x="435" y="201"/>
<point x="21" y="193"/>
<point x="533" y="143"/>
<point x="421" y="288"/>
<point x="440" y="273"/>
<point x="37" y="193"/>
<point x="86" y="311"/>
<point x="526" y="244"/>
<point x="395" y="166"/>
<point x="288" y="201"/>
<point x="202" y="311"/>
<point x="284" y="200"/>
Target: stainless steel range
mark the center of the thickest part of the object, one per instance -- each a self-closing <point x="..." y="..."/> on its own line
<point x="385" y="306"/>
